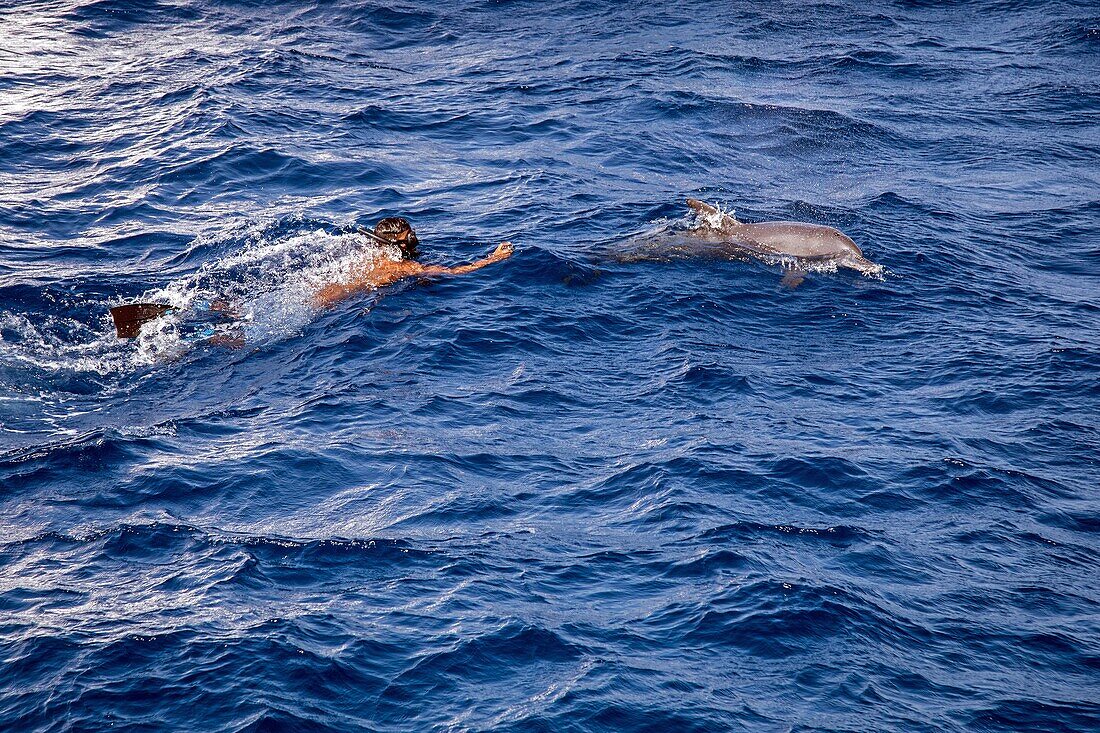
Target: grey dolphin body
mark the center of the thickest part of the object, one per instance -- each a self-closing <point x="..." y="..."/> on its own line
<point x="806" y="243"/>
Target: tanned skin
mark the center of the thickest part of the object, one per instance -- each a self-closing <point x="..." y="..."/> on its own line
<point x="386" y="272"/>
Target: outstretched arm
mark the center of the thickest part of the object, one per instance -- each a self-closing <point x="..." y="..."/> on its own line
<point x="503" y="251"/>
<point x="386" y="273"/>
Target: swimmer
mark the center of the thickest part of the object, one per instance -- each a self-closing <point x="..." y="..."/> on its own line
<point x="394" y="232"/>
<point x="398" y="233"/>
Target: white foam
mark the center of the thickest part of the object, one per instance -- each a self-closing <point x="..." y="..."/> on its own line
<point x="268" y="285"/>
<point x="39" y="345"/>
<point x="714" y="219"/>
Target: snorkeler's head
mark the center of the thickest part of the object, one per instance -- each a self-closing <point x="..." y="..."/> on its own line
<point x="400" y="233"/>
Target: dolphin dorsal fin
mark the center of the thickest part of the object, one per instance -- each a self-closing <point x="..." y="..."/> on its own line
<point x="711" y="212"/>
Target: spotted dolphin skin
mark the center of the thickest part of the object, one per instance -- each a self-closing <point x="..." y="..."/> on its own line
<point x="806" y="243"/>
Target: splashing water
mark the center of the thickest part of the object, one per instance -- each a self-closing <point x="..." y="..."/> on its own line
<point x="263" y="290"/>
<point x="711" y="219"/>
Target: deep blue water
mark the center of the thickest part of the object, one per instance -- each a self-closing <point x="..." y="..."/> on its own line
<point x="566" y="492"/>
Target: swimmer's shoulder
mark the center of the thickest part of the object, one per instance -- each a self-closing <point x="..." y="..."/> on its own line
<point x="387" y="271"/>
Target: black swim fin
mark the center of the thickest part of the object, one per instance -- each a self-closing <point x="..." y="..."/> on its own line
<point x="130" y="318"/>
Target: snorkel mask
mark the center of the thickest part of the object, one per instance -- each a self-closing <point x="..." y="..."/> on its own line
<point x="396" y="232"/>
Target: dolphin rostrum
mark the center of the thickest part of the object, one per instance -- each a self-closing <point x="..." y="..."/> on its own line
<point x="805" y="243"/>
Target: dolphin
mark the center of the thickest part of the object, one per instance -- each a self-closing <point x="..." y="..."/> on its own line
<point x="806" y="244"/>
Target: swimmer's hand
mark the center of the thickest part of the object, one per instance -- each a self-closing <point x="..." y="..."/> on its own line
<point x="503" y="251"/>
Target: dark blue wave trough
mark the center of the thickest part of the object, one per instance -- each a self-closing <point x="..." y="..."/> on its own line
<point x="568" y="492"/>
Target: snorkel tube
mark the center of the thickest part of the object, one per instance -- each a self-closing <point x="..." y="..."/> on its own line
<point x="408" y="251"/>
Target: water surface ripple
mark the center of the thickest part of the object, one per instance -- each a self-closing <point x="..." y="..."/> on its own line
<point x="568" y="492"/>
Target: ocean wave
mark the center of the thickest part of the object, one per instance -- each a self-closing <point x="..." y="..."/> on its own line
<point x="613" y="483"/>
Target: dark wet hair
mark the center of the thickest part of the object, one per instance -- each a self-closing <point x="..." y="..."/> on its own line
<point x="400" y="233"/>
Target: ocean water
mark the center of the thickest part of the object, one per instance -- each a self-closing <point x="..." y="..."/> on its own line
<point x="570" y="491"/>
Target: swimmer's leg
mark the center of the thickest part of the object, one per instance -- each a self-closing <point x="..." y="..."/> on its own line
<point x="228" y="335"/>
<point x="228" y="340"/>
<point x="226" y="307"/>
<point x="217" y="309"/>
